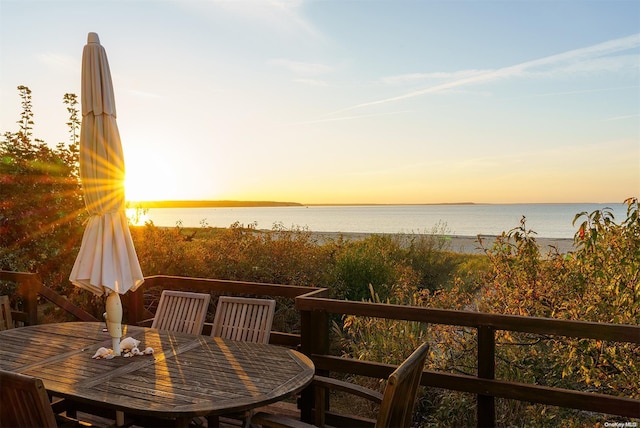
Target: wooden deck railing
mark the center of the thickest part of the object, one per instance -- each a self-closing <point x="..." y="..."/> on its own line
<point x="314" y="310"/>
<point x="138" y="313"/>
<point x="314" y="306"/>
<point x="29" y="287"/>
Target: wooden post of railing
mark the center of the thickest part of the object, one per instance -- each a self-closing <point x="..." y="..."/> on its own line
<point x="314" y="339"/>
<point x="28" y="287"/>
<point x="135" y="306"/>
<point x="486" y="369"/>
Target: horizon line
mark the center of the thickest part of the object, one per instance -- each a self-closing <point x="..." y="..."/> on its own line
<point x="229" y="203"/>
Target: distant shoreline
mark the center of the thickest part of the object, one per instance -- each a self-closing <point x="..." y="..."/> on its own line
<point x="257" y="204"/>
<point x="209" y="204"/>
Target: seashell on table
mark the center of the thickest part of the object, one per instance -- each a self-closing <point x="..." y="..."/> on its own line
<point x="129" y="343"/>
<point x="103" y="353"/>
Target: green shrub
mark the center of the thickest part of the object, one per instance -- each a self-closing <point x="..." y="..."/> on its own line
<point x="359" y="264"/>
<point x="41" y="205"/>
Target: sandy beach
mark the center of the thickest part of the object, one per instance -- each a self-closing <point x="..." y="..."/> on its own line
<point x="470" y="245"/>
<point x="463" y="244"/>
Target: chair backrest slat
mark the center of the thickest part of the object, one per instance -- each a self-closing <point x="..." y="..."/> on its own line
<point x="181" y="311"/>
<point x="24" y="402"/>
<point x="398" y="401"/>
<point x="244" y="319"/>
<point x="5" y="313"/>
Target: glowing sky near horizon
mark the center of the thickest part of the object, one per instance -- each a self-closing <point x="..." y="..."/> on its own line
<point x="347" y="101"/>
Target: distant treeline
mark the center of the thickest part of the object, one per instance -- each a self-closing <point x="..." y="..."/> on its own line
<point x="232" y="204"/>
<point x="208" y="204"/>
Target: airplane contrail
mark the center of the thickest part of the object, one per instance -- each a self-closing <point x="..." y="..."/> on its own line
<point x="600" y="49"/>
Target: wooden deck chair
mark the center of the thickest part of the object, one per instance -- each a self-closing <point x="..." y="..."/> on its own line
<point x="5" y="314"/>
<point x="25" y="403"/>
<point x="181" y="311"/>
<point x="243" y="319"/>
<point x="396" y="403"/>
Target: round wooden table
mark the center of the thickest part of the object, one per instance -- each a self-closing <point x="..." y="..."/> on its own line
<point x="186" y="376"/>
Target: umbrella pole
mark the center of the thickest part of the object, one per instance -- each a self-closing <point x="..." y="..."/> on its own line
<point x="114" y="320"/>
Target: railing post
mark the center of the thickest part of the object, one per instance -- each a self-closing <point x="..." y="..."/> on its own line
<point x="314" y="339"/>
<point x="486" y="370"/>
<point x="28" y="289"/>
<point x="135" y="306"/>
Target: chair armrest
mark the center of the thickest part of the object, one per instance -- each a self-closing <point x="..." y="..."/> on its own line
<point x="276" y="421"/>
<point x="339" y="385"/>
<point x="59" y="405"/>
<point x="145" y="323"/>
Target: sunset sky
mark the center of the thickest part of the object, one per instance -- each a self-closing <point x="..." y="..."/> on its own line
<point x="333" y="101"/>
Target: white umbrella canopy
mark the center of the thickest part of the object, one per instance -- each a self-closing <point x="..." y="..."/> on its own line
<point x="107" y="263"/>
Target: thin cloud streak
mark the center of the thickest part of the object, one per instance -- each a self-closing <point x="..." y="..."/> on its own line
<point x="312" y="82"/>
<point x="600" y="49"/>
<point x="291" y="9"/>
<point x="628" y="116"/>
<point x="441" y="75"/>
<point x="338" y="119"/>
<point x="299" y="67"/>
<point x="280" y="16"/>
<point x="583" y="91"/>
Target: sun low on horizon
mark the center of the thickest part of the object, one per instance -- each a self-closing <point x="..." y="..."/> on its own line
<point x="150" y="177"/>
<point x="150" y="182"/>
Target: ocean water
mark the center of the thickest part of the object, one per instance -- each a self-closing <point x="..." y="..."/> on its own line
<point x="547" y="220"/>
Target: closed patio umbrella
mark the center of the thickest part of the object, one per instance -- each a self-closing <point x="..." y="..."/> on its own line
<point x="107" y="263"/>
